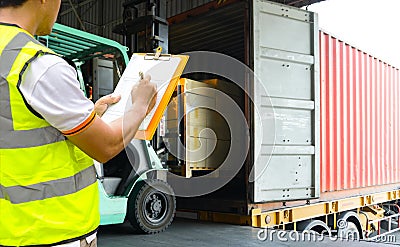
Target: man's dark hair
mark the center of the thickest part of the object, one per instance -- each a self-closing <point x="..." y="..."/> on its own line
<point x="11" y="3"/>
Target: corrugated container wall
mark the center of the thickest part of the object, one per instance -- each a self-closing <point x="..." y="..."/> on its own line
<point x="175" y="7"/>
<point x="360" y="125"/>
<point x="100" y="16"/>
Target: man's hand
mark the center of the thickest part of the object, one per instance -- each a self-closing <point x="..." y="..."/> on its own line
<point x="102" y="104"/>
<point x="102" y="140"/>
<point x="144" y="94"/>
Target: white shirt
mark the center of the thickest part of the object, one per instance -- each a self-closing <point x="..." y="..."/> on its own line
<point x="77" y="243"/>
<point x="51" y="87"/>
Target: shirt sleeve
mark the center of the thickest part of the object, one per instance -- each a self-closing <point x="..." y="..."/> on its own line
<point x="51" y="87"/>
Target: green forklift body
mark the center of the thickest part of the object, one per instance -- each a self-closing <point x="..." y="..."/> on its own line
<point x="78" y="45"/>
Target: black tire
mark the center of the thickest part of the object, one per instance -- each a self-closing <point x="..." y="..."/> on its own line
<point x="151" y="206"/>
<point x="350" y="231"/>
<point x="316" y="226"/>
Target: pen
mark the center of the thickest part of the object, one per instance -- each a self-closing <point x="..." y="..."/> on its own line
<point x="141" y="75"/>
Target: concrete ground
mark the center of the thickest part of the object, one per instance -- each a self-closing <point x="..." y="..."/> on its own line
<point x="191" y="233"/>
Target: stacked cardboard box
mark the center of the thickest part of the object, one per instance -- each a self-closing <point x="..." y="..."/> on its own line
<point x="207" y="132"/>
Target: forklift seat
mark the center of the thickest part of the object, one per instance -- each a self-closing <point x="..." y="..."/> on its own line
<point x="110" y="184"/>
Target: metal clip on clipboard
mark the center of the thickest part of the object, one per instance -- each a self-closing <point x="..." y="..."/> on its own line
<point x="157" y="55"/>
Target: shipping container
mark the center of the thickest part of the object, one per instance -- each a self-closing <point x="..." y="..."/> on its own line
<point x="336" y="115"/>
<point x="359" y="118"/>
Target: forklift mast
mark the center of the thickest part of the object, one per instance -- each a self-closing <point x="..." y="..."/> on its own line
<point x="144" y="29"/>
<point x="144" y="25"/>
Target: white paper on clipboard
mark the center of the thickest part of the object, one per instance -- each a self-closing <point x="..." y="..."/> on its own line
<point x="161" y="72"/>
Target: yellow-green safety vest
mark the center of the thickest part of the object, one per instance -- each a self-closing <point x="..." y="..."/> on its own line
<point x="48" y="187"/>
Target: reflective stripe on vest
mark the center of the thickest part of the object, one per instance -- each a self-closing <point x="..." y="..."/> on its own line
<point x="45" y="190"/>
<point x="10" y="138"/>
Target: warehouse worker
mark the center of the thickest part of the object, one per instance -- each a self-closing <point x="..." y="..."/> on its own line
<point x="48" y="130"/>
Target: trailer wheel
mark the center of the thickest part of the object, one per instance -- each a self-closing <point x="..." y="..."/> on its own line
<point x="151" y="206"/>
<point x="349" y="231"/>
<point x="317" y="226"/>
<point x="349" y="226"/>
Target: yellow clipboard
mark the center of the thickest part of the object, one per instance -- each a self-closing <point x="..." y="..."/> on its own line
<point x="148" y="133"/>
<point x="165" y="70"/>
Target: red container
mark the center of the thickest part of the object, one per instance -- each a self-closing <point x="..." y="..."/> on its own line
<point x="360" y="121"/>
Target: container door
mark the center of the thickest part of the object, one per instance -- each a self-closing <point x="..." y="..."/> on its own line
<point x="286" y="64"/>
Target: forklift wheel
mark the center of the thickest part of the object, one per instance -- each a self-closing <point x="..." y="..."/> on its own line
<point x="151" y="206"/>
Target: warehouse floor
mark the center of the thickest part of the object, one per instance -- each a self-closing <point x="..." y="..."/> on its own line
<point x="184" y="232"/>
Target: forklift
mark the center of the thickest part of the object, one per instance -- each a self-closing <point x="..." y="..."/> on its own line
<point x="132" y="185"/>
